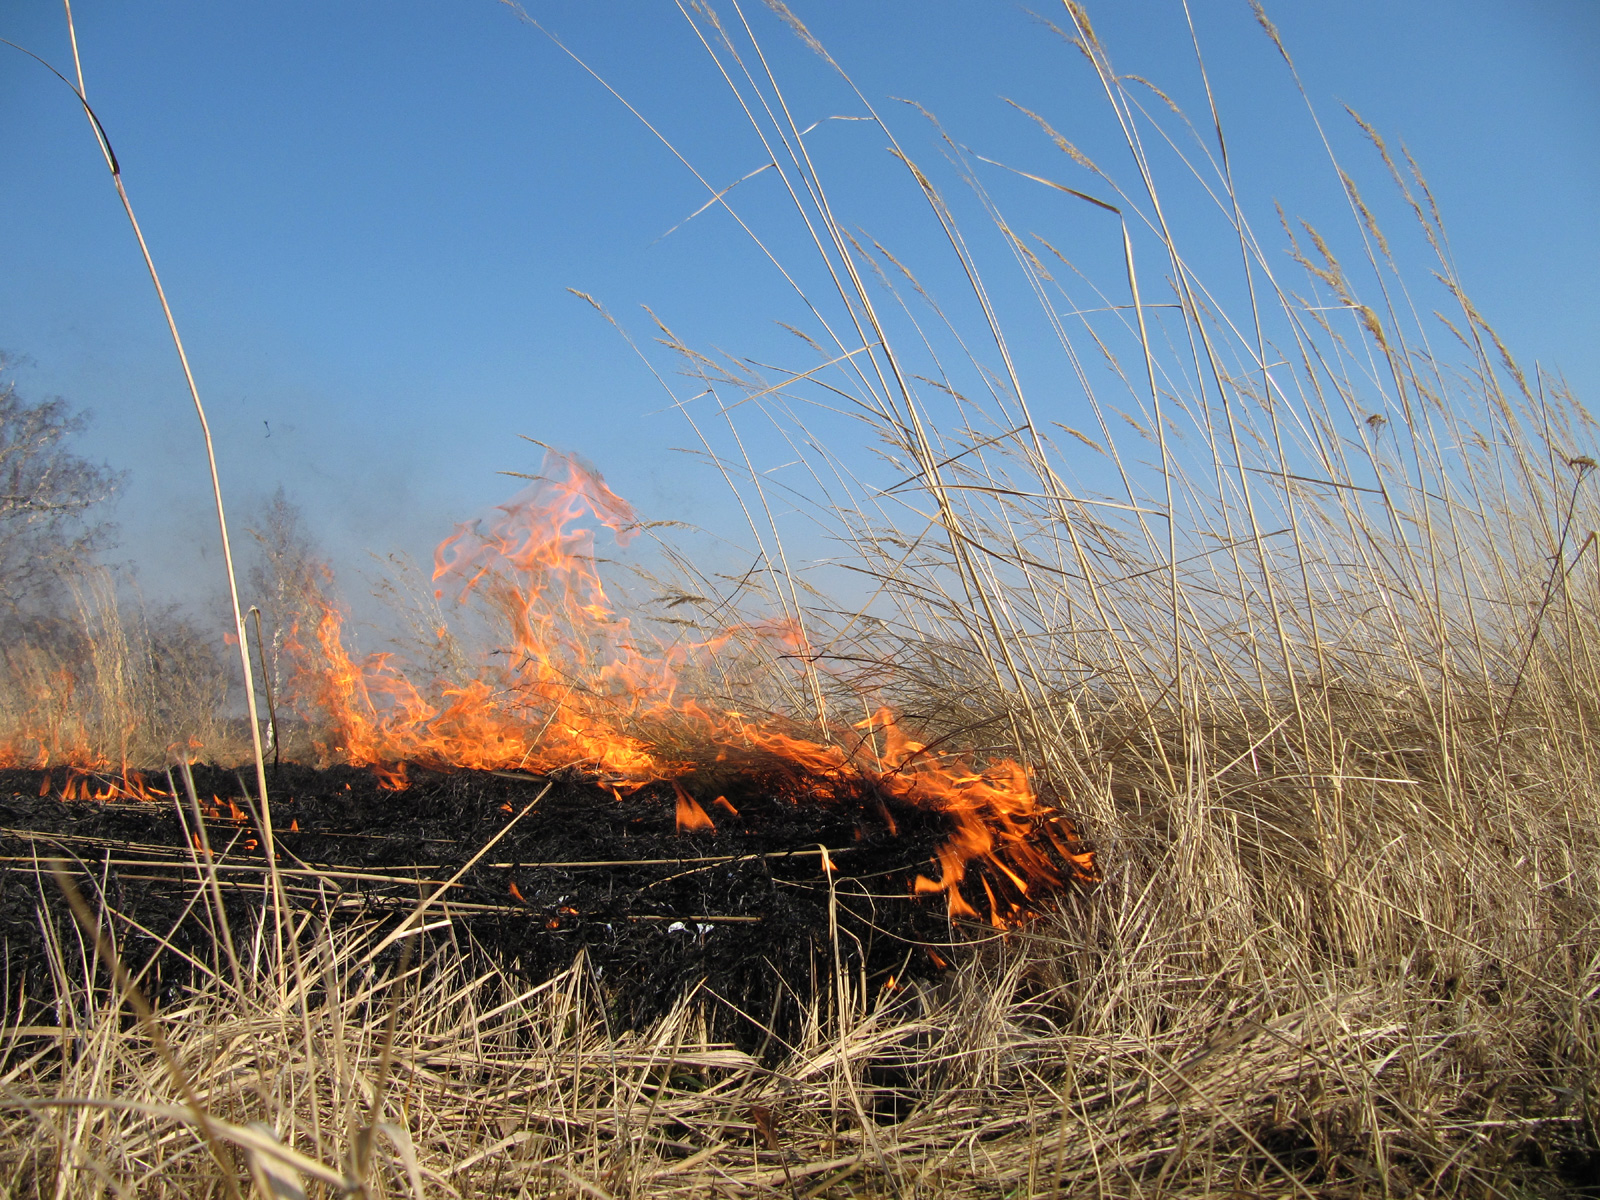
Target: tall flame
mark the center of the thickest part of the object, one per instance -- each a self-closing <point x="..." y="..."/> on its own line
<point x="571" y="678"/>
<point x="573" y="688"/>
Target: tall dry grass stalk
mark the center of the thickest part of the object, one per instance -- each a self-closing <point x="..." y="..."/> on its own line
<point x="1317" y="669"/>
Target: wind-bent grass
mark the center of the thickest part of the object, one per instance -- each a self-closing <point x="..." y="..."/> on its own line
<point x="1317" y="669"/>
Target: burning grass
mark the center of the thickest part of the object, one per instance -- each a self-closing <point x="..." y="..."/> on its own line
<point x="1311" y="657"/>
<point x="103" y="684"/>
<point x="576" y="688"/>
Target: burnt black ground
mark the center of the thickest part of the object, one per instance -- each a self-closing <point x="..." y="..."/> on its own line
<point x="653" y="924"/>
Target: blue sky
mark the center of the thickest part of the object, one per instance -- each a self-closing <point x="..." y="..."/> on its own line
<point x="367" y="217"/>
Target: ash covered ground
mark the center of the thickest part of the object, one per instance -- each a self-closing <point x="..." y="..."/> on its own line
<point x="744" y="909"/>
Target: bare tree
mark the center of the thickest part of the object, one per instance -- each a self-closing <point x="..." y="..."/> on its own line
<point x="289" y="583"/>
<point x="47" y="498"/>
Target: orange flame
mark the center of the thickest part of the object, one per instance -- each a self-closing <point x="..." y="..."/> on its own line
<point x="573" y="676"/>
<point x="573" y="686"/>
<point x="50" y="729"/>
<point x="82" y="784"/>
<point x="691" y="816"/>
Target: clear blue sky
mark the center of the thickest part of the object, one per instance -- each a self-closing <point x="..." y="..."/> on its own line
<point x="367" y="216"/>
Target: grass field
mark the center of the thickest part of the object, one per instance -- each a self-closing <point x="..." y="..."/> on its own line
<point x="1321" y="682"/>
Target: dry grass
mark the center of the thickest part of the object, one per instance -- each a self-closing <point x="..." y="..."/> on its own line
<point x="106" y="684"/>
<point x="1321" y="680"/>
<point x="1219" y="1018"/>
